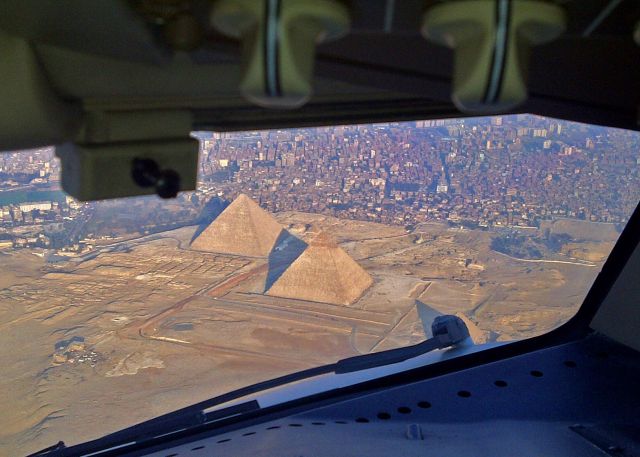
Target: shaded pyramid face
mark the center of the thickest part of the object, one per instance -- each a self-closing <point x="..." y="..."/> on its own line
<point x="243" y="228"/>
<point x="323" y="273"/>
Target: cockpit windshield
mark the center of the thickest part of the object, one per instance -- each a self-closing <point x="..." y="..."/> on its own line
<point x="300" y="247"/>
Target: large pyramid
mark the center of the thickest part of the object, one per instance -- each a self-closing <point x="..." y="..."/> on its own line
<point x="243" y="228"/>
<point x="323" y="273"/>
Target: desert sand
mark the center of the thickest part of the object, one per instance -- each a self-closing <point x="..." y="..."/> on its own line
<point x="97" y="343"/>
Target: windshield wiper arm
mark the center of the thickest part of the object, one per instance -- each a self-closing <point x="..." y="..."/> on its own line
<point x="447" y="331"/>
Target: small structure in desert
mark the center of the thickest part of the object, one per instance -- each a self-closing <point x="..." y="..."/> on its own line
<point x="243" y="228"/>
<point x="325" y="273"/>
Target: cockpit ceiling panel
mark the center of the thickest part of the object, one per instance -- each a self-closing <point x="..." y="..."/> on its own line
<point x="590" y="74"/>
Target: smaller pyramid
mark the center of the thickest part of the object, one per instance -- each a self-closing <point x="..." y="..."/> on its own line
<point x="324" y="273"/>
<point x="243" y="228"/>
<point x="478" y="336"/>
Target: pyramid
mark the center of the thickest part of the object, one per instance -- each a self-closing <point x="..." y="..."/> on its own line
<point x="243" y="228"/>
<point x="323" y="273"/>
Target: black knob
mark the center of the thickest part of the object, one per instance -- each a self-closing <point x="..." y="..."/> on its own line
<point x="147" y="173"/>
<point x="168" y="184"/>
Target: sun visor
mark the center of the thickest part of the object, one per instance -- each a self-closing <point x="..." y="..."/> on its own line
<point x="492" y="40"/>
<point x="278" y="44"/>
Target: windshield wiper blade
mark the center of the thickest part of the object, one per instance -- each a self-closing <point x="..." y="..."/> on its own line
<point x="447" y="331"/>
<point x="183" y="419"/>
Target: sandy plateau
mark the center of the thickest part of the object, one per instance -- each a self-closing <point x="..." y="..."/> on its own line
<point x="97" y="343"/>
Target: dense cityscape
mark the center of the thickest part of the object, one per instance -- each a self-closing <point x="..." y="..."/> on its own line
<point x="488" y="171"/>
<point x="511" y="171"/>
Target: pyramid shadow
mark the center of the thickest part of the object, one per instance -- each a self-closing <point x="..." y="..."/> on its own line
<point x="286" y="249"/>
<point x="200" y="229"/>
<point x="209" y="213"/>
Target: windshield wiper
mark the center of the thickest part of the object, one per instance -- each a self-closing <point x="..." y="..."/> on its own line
<point x="447" y="331"/>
